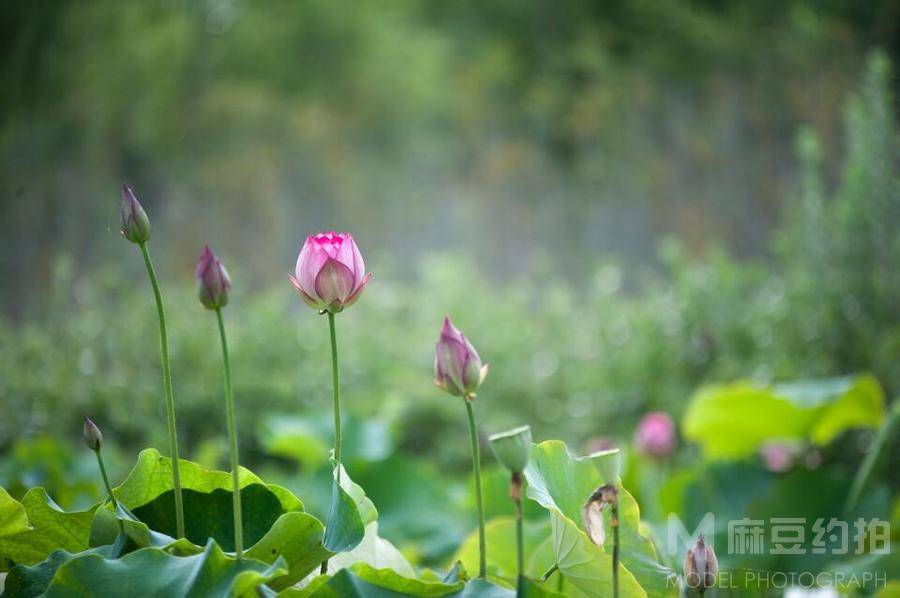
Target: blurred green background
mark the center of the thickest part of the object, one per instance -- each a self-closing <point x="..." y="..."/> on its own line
<point x="618" y="202"/>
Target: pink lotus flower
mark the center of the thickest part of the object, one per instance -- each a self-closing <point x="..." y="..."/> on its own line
<point x="213" y="282"/>
<point x="778" y="457"/>
<point x="330" y="272"/>
<point x="457" y="366"/>
<point x="655" y="435"/>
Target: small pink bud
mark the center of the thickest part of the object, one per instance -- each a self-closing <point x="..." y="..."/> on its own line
<point x="457" y="366"/>
<point x="135" y="224"/>
<point x="330" y="272"/>
<point x="700" y="566"/>
<point x="655" y="435"/>
<point x="92" y="436"/>
<point x="213" y="282"/>
<point x="777" y="457"/>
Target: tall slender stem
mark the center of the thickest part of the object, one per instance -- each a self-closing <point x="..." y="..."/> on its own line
<point x="106" y="483"/>
<point x="868" y="466"/>
<point x="232" y="438"/>
<point x="520" y="541"/>
<point x="336" y="410"/>
<point x="476" y="467"/>
<point x="167" y="387"/>
<point x="614" y="522"/>
<point x="336" y="394"/>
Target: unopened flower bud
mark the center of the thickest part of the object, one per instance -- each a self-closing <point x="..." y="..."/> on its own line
<point x="92" y="436"/>
<point x="213" y="282"/>
<point x="457" y="366"/>
<point x="655" y="435"/>
<point x="512" y="448"/>
<point x="592" y="512"/>
<point x="330" y="272"/>
<point x="135" y="224"/>
<point x="700" y="566"/>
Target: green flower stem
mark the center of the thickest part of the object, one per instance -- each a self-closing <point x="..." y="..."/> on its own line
<point x="170" y="395"/>
<point x="476" y="467"/>
<point x="232" y="438"/>
<point x="868" y="466"/>
<point x="520" y="540"/>
<point x="336" y="398"/>
<point x="614" y="523"/>
<point x="106" y="483"/>
<point x="336" y="394"/>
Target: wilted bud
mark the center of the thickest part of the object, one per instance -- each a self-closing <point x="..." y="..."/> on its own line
<point x="213" y="283"/>
<point x="330" y="273"/>
<point x="92" y="436"/>
<point x="700" y="566"/>
<point x="655" y="435"/>
<point x="457" y="366"/>
<point x="512" y="448"/>
<point x="135" y="224"/>
<point x="592" y="512"/>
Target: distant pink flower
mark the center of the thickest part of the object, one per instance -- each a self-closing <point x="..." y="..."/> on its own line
<point x="777" y="457"/>
<point x="655" y="435"/>
<point x="213" y="282"/>
<point x="457" y="366"/>
<point x="330" y="272"/>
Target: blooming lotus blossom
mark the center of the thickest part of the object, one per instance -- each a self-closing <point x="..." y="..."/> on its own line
<point x="213" y="282"/>
<point x="135" y="224"/>
<point x="700" y="566"/>
<point x="457" y="366"/>
<point x="330" y="273"/>
<point x="655" y="435"/>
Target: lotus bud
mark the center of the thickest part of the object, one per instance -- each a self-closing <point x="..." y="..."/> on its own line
<point x="655" y="435"/>
<point x="700" y="566"/>
<point x="330" y="272"/>
<point x="457" y="366"/>
<point x="777" y="457"/>
<point x="592" y="512"/>
<point x="93" y="438"/>
<point x="213" y="282"/>
<point x="135" y="224"/>
<point x="512" y="448"/>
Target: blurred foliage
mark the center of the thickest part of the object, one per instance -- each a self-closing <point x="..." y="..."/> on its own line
<point x="515" y="130"/>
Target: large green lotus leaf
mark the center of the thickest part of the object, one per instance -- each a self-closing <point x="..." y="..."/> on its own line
<point x="374" y="551"/>
<point x="49" y="528"/>
<point x="296" y="538"/>
<point x="561" y="483"/>
<point x="732" y="421"/>
<point x="153" y="572"/>
<point x="13" y="519"/>
<point x="502" y="559"/>
<point x="147" y="495"/>
<point x="152" y="476"/>
<point x="364" y="581"/>
<point x="528" y="588"/>
<point x="351" y="510"/>
<point x="27" y="582"/>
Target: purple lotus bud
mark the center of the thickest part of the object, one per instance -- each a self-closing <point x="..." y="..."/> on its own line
<point x="700" y="566"/>
<point x="135" y="224"/>
<point x="457" y="366"/>
<point x="213" y="283"/>
<point x="655" y="435"/>
<point x="92" y="436"/>
<point x="330" y="272"/>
